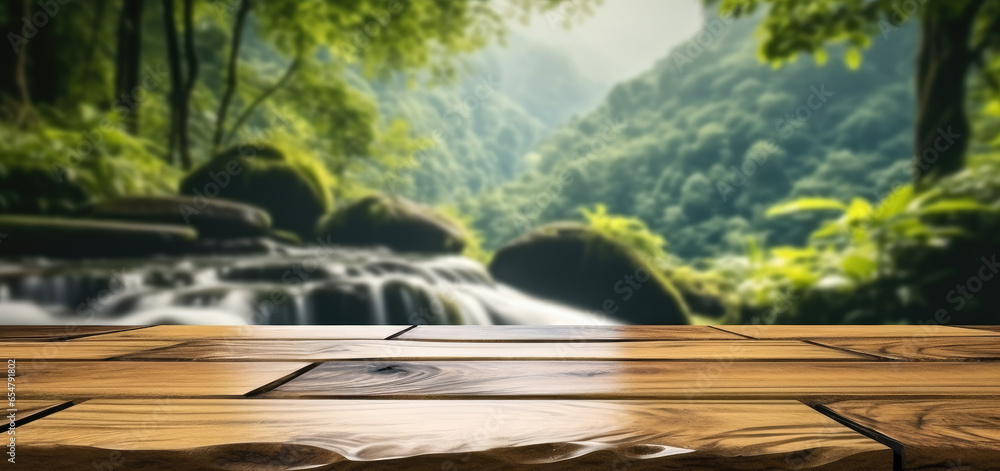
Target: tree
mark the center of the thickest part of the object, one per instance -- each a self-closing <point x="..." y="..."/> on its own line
<point x="127" y="61"/>
<point x="14" y="94"/>
<point x="381" y="36"/>
<point x="956" y="37"/>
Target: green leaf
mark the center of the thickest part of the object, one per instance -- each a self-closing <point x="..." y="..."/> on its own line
<point x="955" y="205"/>
<point x="853" y="58"/>
<point x="820" y="56"/>
<point x="806" y="204"/>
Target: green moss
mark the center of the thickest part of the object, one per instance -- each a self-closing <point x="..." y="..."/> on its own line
<point x="585" y="268"/>
<point x="392" y="222"/>
<point x="291" y="187"/>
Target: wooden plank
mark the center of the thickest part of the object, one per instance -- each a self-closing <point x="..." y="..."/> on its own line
<point x="434" y="435"/>
<point x="924" y="348"/>
<point x="642" y="379"/>
<point x="319" y="350"/>
<point x="993" y="328"/>
<point x="564" y="333"/>
<point x="26" y="333"/>
<point x="250" y="332"/>
<point x="787" y="332"/>
<point x="93" y="350"/>
<point x="935" y="434"/>
<point x="24" y="410"/>
<point x="126" y="379"/>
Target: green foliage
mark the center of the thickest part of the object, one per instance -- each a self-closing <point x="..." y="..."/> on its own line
<point x="791" y="27"/>
<point x="701" y="145"/>
<point x="102" y="161"/>
<point x="629" y="231"/>
<point x="858" y="257"/>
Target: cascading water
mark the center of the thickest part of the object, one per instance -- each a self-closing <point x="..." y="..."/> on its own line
<point x="300" y="286"/>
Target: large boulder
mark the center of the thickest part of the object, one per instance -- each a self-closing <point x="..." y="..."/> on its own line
<point x="291" y="190"/>
<point x="33" y="236"/>
<point x="393" y="222"/>
<point x="213" y="218"/>
<point x="581" y="267"/>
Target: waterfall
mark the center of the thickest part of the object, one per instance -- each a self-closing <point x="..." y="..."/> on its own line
<point x="304" y="286"/>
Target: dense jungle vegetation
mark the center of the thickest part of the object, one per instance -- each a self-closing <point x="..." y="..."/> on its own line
<point x="777" y="172"/>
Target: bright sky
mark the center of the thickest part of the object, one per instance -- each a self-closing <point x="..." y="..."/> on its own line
<point x="622" y="38"/>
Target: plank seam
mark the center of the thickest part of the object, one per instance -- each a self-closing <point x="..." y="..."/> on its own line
<point x="842" y="349"/>
<point x="898" y="450"/>
<point x="74" y="337"/>
<point x="977" y="329"/>
<point x="282" y="380"/>
<point x="31" y="418"/>
<point x="127" y="356"/>
<point x="397" y="334"/>
<point x="734" y="333"/>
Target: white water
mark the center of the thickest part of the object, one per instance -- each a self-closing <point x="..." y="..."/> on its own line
<point x="298" y="286"/>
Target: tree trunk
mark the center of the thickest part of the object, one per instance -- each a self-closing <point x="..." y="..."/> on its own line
<point x="174" y="60"/>
<point x="192" y="77"/>
<point x="127" y="62"/>
<point x="92" y="66"/>
<point x="943" y="63"/>
<point x="227" y="94"/>
<point x="14" y="94"/>
<point x="44" y="70"/>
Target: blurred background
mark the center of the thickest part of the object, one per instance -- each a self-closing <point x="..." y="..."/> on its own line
<point x="499" y="162"/>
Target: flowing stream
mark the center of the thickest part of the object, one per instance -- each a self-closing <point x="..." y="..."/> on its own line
<point x="296" y="286"/>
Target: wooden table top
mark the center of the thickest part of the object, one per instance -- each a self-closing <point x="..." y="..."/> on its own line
<point x="505" y="397"/>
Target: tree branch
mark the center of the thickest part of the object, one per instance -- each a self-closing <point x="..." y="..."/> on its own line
<point x="264" y="96"/>
<point x="227" y="95"/>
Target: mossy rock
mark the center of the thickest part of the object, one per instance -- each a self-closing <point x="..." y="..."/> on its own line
<point x="291" y="190"/>
<point x="33" y="236"/>
<point x="393" y="222"/>
<point x="214" y="218"/>
<point x="576" y="265"/>
<point x="34" y="189"/>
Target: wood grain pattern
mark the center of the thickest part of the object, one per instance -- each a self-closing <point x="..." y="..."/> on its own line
<point x="24" y="410"/>
<point x="436" y="435"/>
<point x="568" y="333"/>
<point x="270" y="332"/>
<point x="923" y="349"/>
<point x="779" y="332"/>
<point x="25" y="333"/>
<point x="936" y="435"/>
<point x="318" y="350"/>
<point x="642" y="379"/>
<point x="126" y="379"/>
<point x="94" y="350"/>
